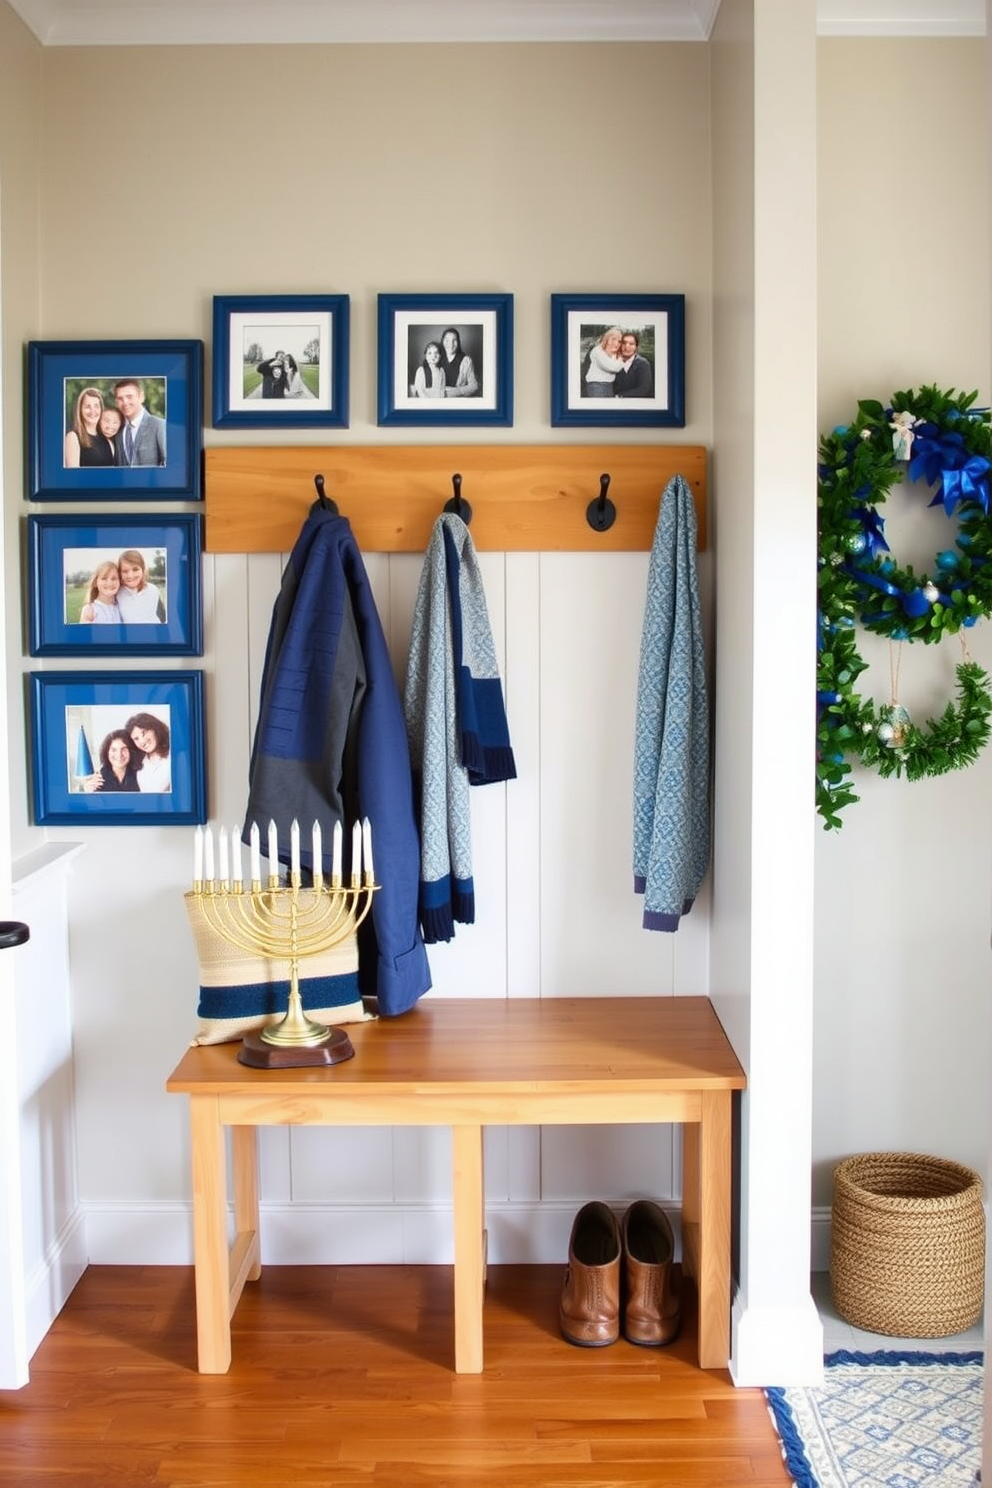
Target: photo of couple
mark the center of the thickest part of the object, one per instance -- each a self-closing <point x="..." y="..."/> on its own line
<point x="616" y="363"/>
<point x="442" y="365"/>
<point x="133" y="754"/>
<point x="103" y="588"/>
<point x="114" y="422"/>
<point x="283" y="374"/>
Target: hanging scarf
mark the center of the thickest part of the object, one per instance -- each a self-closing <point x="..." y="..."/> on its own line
<point x="671" y="746"/>
<point x="456" y="721"/>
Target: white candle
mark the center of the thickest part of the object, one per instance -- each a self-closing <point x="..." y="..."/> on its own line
<point x="222" y="847"/>
<point x="367" y="847"/>
<point x="208" y="854"/>
<point x="336" y="850"/>
<point x="356" y="853"/>
<point x="236" y="872"/>
<point x="198" y="855"/>
<point x="273" y="849"/>
<point x="256" y="853"/>
<point x="294" y="848"/>
<point x="318" y="850"/>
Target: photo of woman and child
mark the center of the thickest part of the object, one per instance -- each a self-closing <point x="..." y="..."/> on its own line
<point x="92" y="439"/>
<point x="447" y="369"/>
<point x="120" y="591"/>
<point x="133" y="758"/>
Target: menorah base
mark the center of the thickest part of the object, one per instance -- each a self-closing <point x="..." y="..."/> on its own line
<point x="258" y="1054"/>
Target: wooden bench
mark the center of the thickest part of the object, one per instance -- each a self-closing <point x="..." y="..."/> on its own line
<point x="470" y="1064"/>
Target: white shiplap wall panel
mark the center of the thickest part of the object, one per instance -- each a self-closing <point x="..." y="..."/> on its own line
<point x="264" y="578"/>
<point x="522" y="682"/>
<point x="612" y="1163"/>
<point x="342" y="1165"/>
<point x="566" y="629"/>
<point x="592" y="609"/>
<point x="231" y="701"/>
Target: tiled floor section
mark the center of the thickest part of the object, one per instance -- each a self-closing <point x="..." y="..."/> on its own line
<point x="838" y="1334"/>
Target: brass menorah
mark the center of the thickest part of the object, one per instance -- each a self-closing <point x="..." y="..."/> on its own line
<point x="284" y="919"/>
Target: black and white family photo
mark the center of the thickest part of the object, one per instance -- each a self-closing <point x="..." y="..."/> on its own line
<point x="445" y="361"/>
<point x="281" y="362"/>
<point x="114" y="422"/>
<point x="617" y="361"/>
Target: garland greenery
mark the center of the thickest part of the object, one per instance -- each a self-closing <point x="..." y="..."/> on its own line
<point x="942" y="439"/>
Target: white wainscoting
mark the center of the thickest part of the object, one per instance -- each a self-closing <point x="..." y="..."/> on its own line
<point x="54" y="1230"/>
<point x="556" y="916"/>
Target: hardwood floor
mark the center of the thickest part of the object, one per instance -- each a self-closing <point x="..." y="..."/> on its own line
<point x="342" y="1378"/>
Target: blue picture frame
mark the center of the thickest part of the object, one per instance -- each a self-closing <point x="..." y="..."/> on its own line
<point x="410" y="323"/>
<point x="162" y="554"/>
<point x="74" y="713"/>
<point x="167" y="462"/>
<point x="309" y="390"/>
<point x="654" y="375"/>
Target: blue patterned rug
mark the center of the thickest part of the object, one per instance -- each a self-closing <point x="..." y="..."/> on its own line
<point x="885" y="1420"/>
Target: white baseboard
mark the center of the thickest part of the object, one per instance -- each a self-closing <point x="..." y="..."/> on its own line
<point x="302" y="1234"/>
<point x="820" y="1239"/>
<point x="388" y="1234"/>
<point x="781" y="1345"/>
<point x="49" y="1284"/>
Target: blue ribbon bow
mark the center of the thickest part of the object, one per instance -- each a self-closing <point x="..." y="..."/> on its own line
<point x="943" y="461"/>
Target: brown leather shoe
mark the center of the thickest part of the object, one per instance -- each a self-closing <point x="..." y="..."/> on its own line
<point x="589" y="1311"/>
<point x="652" y="1314"/>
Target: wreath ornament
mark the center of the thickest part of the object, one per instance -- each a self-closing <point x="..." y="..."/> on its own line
<point x="942" y="439"/>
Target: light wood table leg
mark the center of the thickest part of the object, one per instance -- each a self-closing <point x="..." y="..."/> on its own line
<point x="246" y="1259"/>
<point x="210" y="1252"/>
<point x="713" y="1180"/>
<point x="469" y="1216"/>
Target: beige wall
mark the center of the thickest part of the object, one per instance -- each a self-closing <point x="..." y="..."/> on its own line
<point x="904" y="890"/>
<point x="283" y="169"/>
<point x="278" y="170"/>
<point x="20" y="189"/>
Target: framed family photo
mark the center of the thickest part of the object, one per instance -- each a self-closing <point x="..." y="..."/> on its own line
<point x="446" y="359"/>
<point x="113" y="585"/>
<point x="618" y="359"/>
<point x="280" y="361"/>
<point x="114" y="420"/>
<point x="122" y="749"/>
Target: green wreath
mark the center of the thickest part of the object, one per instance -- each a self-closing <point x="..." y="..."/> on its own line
<point x="938" y="437"/>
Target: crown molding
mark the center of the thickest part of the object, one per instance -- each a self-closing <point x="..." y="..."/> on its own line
<point x="261" y="22"/>
<point x="214" y="22"/>
<point x="900" y="17"/>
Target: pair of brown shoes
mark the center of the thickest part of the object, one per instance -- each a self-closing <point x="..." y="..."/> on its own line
<point x="607" y="1260"/>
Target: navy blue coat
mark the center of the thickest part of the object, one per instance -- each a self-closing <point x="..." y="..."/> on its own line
<point x="331" y="745"/>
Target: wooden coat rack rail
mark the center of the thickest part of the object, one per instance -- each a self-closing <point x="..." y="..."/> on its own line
<point x="524" y="498"/>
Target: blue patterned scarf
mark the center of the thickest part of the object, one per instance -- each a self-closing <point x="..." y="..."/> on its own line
<point x="456" y="721"/>
<point x="672" y="740"/>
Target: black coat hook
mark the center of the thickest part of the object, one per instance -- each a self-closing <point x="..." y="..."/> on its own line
<point x="458" y="504"/>
<point x="326" y="504"/>
<point x="601" y="513"/>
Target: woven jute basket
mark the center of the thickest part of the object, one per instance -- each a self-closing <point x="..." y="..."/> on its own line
<point x="907" y="1249"/>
